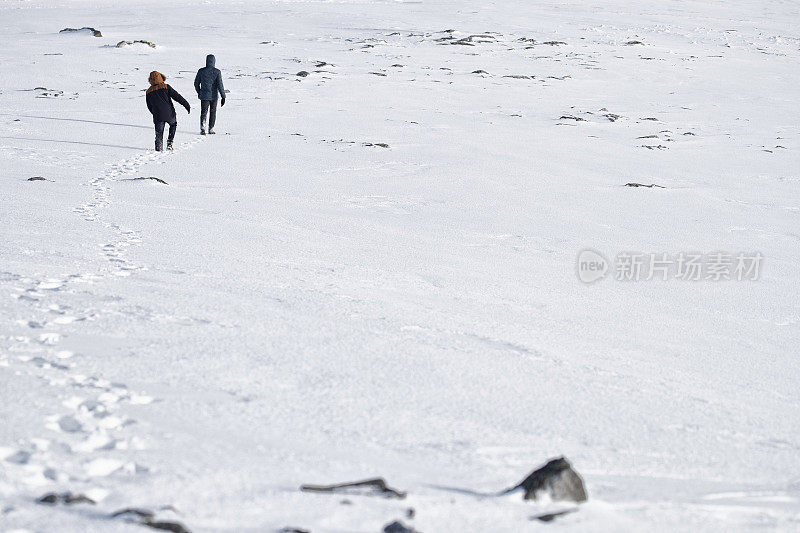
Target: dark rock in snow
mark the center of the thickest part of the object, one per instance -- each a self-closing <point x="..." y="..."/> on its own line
<point x="554" y="43"/>
<point x="372" y="486"/>
<point x="174" y="527"/>
<point x="380" y="145"/>
<point x="611" y="117"/>
<point x="94" y="32"/>
<point x="147" y="518"/>
<point x="398" y="527"/>
<point x="133" y="512"/>
<point x="38" y="178"/>
<point x="302" y="74"/>
<point x="557" y="478"/>
<point x="294" y="530"/>
<point x="570" y="117"/>
<point x="549" y="517"/>
<point x="643" y="185"/>
<point x="159" y="180"/>
<point x="66" y="498"/>
<point x="631" y="43"/>
<point x="129" y="43"/>
<point x="479" y="72"/>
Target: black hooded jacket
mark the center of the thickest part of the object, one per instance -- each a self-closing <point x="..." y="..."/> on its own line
<point x="159" y="102"/>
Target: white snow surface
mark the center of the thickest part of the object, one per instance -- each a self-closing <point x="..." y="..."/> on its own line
<point x="297" y="306"/>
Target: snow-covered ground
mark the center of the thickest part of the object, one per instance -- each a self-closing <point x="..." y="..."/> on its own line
<point x="303" y="305"/>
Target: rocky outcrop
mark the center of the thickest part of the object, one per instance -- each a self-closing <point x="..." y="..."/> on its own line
<point x="94" y="32"/>
<point x="129" y="43"/>
<point x="374" y="486"/>
<point x="556" y="479"/>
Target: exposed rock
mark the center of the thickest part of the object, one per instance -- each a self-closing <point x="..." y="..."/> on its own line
<point x="378" y="73"/>
<point x="479" y="72"/>
<point x="643" y="185"/>
<point x="631" y="43"/>
<point x="469" y="40"/>
<point x="554" y="43"/>
<point x="302" y="74"/>
<point x="44" y="92"/>
<point x="557" y="479"/>
<point x="549" y="517"/>
<point x="129" y="43"/>
<point x="368" y="487"/>
<point x="159" y="180"/>
<point x="147" y="518"/>
<point x="294" y="530"/>
<point x="66" y="498"/>
<point x="611" y="117"/>
<point x="38" y="178"/>
<point x="379" y="145"/>
<point x="133" y="512"/>
<point x="570" y="117"/>
<point x="94" y="32"/>
<point x="517" y="76"/>
<point x="398" y="527"/>
<point x="174" y="527"/>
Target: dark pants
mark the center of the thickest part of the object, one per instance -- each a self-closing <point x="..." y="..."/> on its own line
<point x="160" y="134"/>
<point x="205" y="107"/>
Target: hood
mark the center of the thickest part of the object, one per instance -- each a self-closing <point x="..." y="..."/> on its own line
<point x="210" y="60"/>
<point x="156" y="78"/>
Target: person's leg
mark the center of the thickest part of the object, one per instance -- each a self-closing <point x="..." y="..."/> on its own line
<point x="203" y="114"/>
<point x="171" y="137"/>
<point x="212" y="119"/>
<point x="159" y="136"/>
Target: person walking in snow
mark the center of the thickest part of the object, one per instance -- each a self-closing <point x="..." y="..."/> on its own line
<point x="159" y="102"/>
<point x="208" y="84"/>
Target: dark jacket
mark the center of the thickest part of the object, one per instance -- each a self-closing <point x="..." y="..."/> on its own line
<point x="160" y="97"/>
<point x="208" y="82"/>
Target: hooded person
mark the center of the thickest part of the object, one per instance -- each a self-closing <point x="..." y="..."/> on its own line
<point x="159" y="102"/>
<point x="208" y="84"/>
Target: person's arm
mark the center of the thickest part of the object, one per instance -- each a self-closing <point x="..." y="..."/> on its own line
<point x="149" y="102"/>
<point x="220" y="87"/>
<point x="197" y="83"/>
<point x="178" y="98"/>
